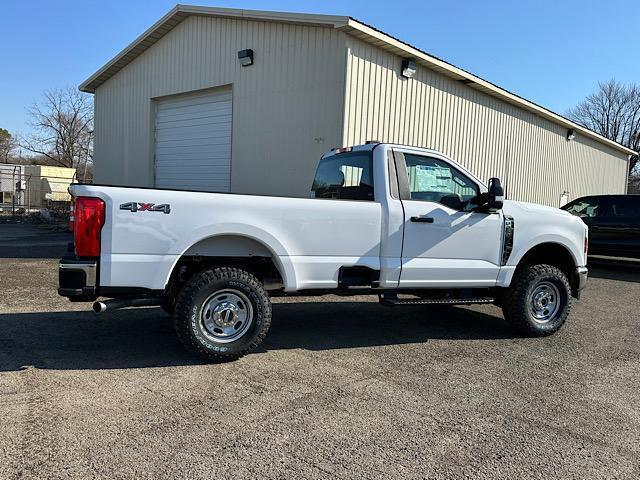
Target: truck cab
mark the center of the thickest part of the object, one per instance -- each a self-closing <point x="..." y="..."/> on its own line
<point x="407" y="224"/>
<point x="439" y="229"/>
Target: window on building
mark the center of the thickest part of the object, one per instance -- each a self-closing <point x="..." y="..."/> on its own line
<point x="345" y="176"/>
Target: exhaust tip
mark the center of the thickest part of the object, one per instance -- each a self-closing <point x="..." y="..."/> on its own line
<point x="99" y="307"/>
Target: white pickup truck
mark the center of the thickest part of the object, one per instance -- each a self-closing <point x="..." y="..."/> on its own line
<point x="407" y="224"/>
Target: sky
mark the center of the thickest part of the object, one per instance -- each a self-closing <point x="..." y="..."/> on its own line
<point x="553" y="53"/>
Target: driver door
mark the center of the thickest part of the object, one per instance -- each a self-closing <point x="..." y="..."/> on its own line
<point x="445" y="242"/>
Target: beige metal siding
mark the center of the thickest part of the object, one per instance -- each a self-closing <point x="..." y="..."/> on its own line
<point x="287" y="107"/>
<point x="487" y="135"/>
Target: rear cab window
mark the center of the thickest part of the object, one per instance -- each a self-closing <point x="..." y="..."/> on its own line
<point x="344" y="176"/>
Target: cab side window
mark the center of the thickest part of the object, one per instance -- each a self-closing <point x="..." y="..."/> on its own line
<point x="434" y="180"/>
<point x="345" y="176"/>
<point x="625" y="207"/>
<point x="586" y="208"/>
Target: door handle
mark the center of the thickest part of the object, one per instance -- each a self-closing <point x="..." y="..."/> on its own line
<point x="422" y="219"/>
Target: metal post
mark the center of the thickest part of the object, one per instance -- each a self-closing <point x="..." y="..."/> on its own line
<point x="13" y="193"/>
<point x="29" y="193"/>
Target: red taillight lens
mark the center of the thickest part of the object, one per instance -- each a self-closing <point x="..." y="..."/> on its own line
<point x="586" y="245"/>
<point x="72" y="221"/>
<point x="88" y="217"/>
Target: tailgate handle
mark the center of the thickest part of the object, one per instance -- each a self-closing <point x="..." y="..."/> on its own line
<point x="422" y="219"/>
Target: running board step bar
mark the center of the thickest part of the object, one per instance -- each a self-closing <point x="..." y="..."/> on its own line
<point x="394" y="301"/>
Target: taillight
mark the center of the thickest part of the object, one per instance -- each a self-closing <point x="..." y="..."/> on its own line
<point x="71" y="217"/>
<point x="586" y="244"/>
<point x="88" y="217"/>
<point x="342" y="149"/>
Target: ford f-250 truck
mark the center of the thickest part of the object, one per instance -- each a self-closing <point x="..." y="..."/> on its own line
<point x="407" y="224"/>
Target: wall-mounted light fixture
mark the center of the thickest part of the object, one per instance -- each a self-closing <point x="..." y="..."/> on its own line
<point x="409" y="68"/>
<point x="245" y="57"/>
<point x="571" y="134"/>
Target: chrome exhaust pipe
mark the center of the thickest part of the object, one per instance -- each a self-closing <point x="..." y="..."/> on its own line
<point x="117" y="303"/>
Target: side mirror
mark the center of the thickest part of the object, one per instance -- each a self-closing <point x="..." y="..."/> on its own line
<point x="495" y="194"/>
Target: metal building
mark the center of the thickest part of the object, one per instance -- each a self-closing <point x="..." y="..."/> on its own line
<point x="247" y="101"/>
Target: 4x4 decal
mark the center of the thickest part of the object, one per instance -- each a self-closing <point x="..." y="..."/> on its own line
<point x="145" y="207"/>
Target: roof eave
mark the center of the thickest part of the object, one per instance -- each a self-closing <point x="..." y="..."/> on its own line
<point x="474" y="81"/>
<point x="347" y="25"/>
<point x="88" y="87"/>
<point x="180" y="12"/>
<point x="359" y="29"/>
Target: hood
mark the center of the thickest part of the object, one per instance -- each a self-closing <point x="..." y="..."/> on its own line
<point x="512" y="206"/>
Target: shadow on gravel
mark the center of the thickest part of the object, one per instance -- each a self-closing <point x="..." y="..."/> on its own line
<point x="38" y="252"/>
<point x="144" y="337"/>
<point x="32" y="241"/>
<point x="612" y="270"/>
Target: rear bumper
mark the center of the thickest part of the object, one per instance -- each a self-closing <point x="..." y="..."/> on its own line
<point x="77" y="279"/>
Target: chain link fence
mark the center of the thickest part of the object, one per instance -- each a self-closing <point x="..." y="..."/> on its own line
<point x="35" y="193"/>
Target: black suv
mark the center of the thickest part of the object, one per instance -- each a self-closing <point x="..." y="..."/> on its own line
<point x="613" y="221"/>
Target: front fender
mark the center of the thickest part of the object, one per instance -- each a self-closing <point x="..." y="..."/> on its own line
<point x="521" y="249"/>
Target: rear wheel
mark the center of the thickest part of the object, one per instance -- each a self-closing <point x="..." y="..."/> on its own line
<point x="222" y="314"/>
<point x="168" y="305"/>
<point x="538" y="301"/>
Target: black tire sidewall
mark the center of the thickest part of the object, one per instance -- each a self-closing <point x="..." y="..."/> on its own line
<point x="558" y="321"/>
<point x="192" y="300"/>
<point x="516" y="304"/>
<point x="168" y="305"/>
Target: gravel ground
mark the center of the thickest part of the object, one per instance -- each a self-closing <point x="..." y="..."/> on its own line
<point x="342" y="388"/>
<point x="24" y="240"/>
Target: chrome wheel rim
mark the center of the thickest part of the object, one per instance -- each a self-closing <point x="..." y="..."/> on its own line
<point x="544" y="302"/>
<point x="226" y="316"/>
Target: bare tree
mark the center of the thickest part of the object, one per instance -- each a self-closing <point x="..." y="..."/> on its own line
<point x="613" y="111"/>
<point x="7" y="145"/>
<point x="62" y="128"/>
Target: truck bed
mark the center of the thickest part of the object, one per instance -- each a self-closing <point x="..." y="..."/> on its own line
<point x="309" y="239"/>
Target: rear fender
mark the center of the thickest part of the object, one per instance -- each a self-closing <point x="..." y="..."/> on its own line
<point x="239" y="240"/>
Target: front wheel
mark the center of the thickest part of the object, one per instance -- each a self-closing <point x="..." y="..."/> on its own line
<point x="538" y="300"/>
<point x="222" y="314"/>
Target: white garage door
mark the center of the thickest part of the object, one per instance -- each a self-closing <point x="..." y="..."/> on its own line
<point x="193" y="141"/>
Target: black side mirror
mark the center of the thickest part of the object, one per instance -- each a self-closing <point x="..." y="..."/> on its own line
<point x="496" y="194"/>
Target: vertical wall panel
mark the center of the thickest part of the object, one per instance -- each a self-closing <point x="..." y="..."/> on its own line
<point x="486" y="135"/>
<point x="287" y="107"/>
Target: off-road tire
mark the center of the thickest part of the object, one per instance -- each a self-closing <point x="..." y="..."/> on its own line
<point x="192" y="298"/>
<point x="517" y="309"/>
<point x="168" y="304"/>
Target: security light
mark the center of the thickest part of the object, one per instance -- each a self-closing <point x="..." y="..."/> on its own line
<point x="571" y="134"/>
<point x="408" y="68"/>
<point x="245" y="57"/>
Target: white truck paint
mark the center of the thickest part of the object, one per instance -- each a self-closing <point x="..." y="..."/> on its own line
<point x="309" y="240"/>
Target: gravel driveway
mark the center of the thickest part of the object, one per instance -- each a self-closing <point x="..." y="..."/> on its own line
<point x="342" y="388"/>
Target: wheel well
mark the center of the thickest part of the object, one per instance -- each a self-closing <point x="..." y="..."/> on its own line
<point x="553" y="254"/>
<point x="187" y="266"/>
<point x="226" y="250"/>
